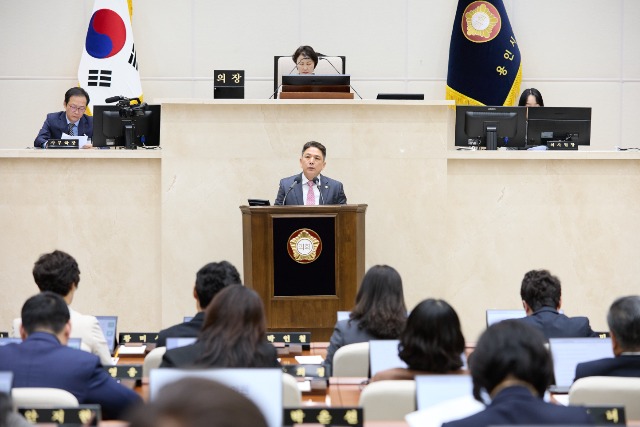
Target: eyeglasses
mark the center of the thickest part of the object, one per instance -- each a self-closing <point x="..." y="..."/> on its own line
<point x="76" y="109"/>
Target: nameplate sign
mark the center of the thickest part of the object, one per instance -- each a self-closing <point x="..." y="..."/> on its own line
<point x="85" y="415"/>
<point x="607" y="415"/>
<point x="125" y="372"/>
<point x="138" y="337"/>
<point x="303" y="338"/>
<point x="562" y="145"/>
<point x="63" y="143"/>
<point x="324" y="416"/>
<point x="228" y="84"/>
<point x="305" y="371"/>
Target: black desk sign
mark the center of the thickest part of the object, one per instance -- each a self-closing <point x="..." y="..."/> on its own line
<point x="4" y="334"/>
<point x="137" y="337"/>
<point x="83" y="415"/>
<point x="125" y="372"/>
<point x="288" y="338"/>
<point x="562" y="145"/>
<point x="325" y="416"/>
<point x="608" y="415"/>
<point x="228" y="84"/>
<point x="305" y="371"/>
<point x="63" y="143"/>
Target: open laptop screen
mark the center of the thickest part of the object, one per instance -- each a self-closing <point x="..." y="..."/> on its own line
<point x="568" y="352"/>
<point x="6" y="381"/>
<point x="175" y="342"/>
<point x="495" y="316"/>
<point x="108" y="324"/>
<point x="383" y="355"/>
<point x="434" y="389"/>
<point x="262" y="385"/>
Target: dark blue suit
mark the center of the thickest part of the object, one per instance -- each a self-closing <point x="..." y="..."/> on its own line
<point x="331" y="191"/>
<point x="620" y="366"/>
<point x="56" y="123"/>
<point x="556" y="325"/>
<point x="41" y="361"/>
<point x="516" y="405"/>
<point x="186" y="329"/>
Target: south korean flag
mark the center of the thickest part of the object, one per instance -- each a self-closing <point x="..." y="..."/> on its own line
<point x="109" y="64"/>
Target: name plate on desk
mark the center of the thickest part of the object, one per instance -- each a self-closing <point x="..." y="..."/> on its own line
<point x="63" y="143"/>
<point x="138" y="337"/>
<point x="287" y="338"/>
<point x="325" y="416"/>
<point x="608" y="415"/>
<point x="304" y="371"/>
<point x="562" y="145"/>
<point x="125" y="372"/>
<point x="228" y="84"/>
<point x="85" y="415"/>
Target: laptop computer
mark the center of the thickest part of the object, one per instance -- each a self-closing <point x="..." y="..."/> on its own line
<point x="175" y="342"/>
<point x="262" y="385"/>
<point x="568" y="352"/>
<point x="495" y="316"/>
<point x="109" y="324"/>
<point x="434" y="389"/>
<point x="10" y="340"/>
<point x="343" y="315"/>
<point x="6" y="381"/>
<point x="383" y="355"/>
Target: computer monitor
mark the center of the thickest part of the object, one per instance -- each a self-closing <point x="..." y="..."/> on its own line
<point x="566" y="124"/>
<point x="109" y="128"/>
<point x="317" y="79"/>
<point x="490" y="127"/>
<point x="109" y="324"/>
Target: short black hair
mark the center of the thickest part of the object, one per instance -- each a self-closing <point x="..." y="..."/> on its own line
<point x="212" y="278"/>
<point x="306" y="52"/>
<point x="432" y="340"/>
<point x="510" y="348"/>
<point x="540" y="289"/>
<point x="624" y="322"/>
<point x="56" y="272"/>
<point x="317" y="145"/>
<point x="45" y="310"/>
<point x="531" y="91"/>
<point x="75" y="91"/>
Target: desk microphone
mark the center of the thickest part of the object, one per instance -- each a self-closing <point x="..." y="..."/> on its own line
<point x="276" y="91"/>
<point x="316" y="181"/>
<point x="337" y="71"/>
<point x="295" y="181"/>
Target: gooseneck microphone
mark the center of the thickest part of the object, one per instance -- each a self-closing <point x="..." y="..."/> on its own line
<point x="337" y="71"/>
<point x="295" y="181"/>
<point x="316" y="181"/>
<point x="276" y="91"/>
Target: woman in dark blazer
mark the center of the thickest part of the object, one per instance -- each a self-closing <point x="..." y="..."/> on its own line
<point x="380" y="312"/>
<point x="233" y="335"/>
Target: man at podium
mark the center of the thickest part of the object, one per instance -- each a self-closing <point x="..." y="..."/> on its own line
<point x="310" y="187"/>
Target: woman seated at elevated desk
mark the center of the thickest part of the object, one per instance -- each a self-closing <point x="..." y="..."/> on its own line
<point x="306" y="59"/>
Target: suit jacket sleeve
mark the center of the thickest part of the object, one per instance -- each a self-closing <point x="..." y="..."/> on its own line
<point x="44" y="134"/>
<point x="280" y="195"/>
<point x="114" y="398"/>
<point x="341" y="198"/>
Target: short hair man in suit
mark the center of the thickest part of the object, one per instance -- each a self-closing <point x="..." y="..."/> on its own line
<point x="72" y="121"/>
<point x="58" y="272"/>
<point x="44" y="360"/>
<point x="624" y="325"/>
<point x="541" y="298"/>
<point x="210" y="280"/>
<point x="310" y="187"/>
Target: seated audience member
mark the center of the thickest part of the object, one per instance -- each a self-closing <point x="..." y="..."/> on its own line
<point x="234" y="335"/>
<point x="379" y="313"/>
<point x="197" y="402"/>
<point x="531" y="98"/>
<point x="210" y="279"/>
<point x="512" y="365"/>
<point x="624" y="325"/>
<point x="431" y="343"/>
<point x="44" y="360"/>
<point x="8" y="418"/>
<point x="306" y="59"/>
<point x="58" y="272"/>
<point x="541" y="299"/>
<point x="71" y="121"/>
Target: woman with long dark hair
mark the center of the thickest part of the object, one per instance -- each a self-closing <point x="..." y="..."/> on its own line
<point x="379" y="313"/>
<point x="233" y="335"/>
<point x="431" y="343"/>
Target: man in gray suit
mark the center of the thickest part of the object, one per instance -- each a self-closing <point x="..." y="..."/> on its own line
<point x="310" y="187"/>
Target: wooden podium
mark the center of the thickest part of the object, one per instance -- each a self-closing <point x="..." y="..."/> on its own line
<point x="316" y="92"/>
<point x="305" y="262"/>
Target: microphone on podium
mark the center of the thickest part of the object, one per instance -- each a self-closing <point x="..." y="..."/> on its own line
<point x="295" y="181"/>
<point x="316" y="181"/>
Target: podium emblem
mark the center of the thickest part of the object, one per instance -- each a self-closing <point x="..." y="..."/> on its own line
<point x="304" y="246"/>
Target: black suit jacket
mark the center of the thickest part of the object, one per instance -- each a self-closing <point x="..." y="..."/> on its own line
<point x="187" y="329"/>
<point x="621" y="366"/>
<point x="56" y="123"/>
<point x="331" y="191"/>
<point x="516" y="405"/>
<point x="265" y="356"/>
<point x="557" y="325"/>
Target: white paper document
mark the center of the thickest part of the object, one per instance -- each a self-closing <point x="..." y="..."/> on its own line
<point x="82" y="139"/>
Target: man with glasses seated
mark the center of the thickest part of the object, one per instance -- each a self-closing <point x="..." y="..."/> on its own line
<point x="71" y="121"/>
